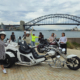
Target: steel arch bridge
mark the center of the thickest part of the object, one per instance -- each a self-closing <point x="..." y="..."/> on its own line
<point x="71" y="20"/>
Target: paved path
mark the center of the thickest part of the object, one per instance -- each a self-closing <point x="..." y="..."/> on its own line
<point x="41" y="72"/>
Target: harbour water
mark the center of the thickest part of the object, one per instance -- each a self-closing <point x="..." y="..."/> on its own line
<point x="47" y="34"/>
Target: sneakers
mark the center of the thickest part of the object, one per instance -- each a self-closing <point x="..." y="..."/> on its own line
<point x="4" y="71"/>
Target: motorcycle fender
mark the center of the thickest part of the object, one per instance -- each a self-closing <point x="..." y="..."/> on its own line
<point x="10" y="54"/>
<point x="70" y="56"/>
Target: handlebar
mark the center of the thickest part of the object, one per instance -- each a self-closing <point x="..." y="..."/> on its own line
<point x="58" y="43"/>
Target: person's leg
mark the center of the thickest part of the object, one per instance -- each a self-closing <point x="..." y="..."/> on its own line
<point x="62" y="45"/>
<point x="2" y="67"/>
<point x="34" y="43"/>
<point x="31" y="43"/>
<point x="66" y="48"/>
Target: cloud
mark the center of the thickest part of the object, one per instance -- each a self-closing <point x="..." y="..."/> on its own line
<point x="12" y="11"/>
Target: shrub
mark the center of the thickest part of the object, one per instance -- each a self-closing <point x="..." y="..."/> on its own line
<point x="76" y="44"/>
<point x="70" y="45"/>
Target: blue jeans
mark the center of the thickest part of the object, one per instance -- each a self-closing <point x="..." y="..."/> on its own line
<point x="32" y="43"/>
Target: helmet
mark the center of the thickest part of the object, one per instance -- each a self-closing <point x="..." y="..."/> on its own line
<point x="27" y="32"/>
<point x="2" y="33"/>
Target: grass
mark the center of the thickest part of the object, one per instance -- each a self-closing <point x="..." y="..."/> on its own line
<point x="76" y="44"/>
<point x="73" y="45"/>
<point x="70" y="45"/>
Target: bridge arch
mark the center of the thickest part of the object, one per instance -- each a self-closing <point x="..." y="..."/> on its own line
<point x="66" y="16"/>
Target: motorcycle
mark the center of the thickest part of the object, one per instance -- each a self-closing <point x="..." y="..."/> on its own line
<point x="45" y="46"/>
<point x="21" y="54"/>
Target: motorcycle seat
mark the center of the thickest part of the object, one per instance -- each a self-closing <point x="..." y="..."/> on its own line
<point x="24" y="48"/>
<point x="36" y="55"/>
<point x="24" y="51"/>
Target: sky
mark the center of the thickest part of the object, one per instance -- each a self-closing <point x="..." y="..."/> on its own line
<point x="13" y="11"/>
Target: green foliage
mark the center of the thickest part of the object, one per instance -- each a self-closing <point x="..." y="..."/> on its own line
<point x="73" y="45"/>
<point x="36" y="43"/>
<point x="76" y="44"/>
<point x="70" y="45"/>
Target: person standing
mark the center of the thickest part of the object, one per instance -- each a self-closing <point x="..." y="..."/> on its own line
<point x="2" y="50"/>
<point x="40" y="37"/>
<point x="51" y="39"/>
<point x="33" y="39"/>
<point x="28" y="37"/>
<point x="63" y="41"/>
<point x="12" y="37"/>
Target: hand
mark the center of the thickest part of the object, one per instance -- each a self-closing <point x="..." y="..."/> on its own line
<point x="9" y="41"/>
<point x="62" y="42"/>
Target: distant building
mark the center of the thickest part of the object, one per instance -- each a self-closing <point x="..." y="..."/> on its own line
<point x="2" y="26"/>
<point x="75" y="29"/>
<point x="20" y="27"/>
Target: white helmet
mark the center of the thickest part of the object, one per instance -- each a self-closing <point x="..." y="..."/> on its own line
<point x="27" y="32"/>
<point x="2" y="33"/>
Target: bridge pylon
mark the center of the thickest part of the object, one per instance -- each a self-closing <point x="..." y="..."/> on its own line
<point x="22" y="27"/>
